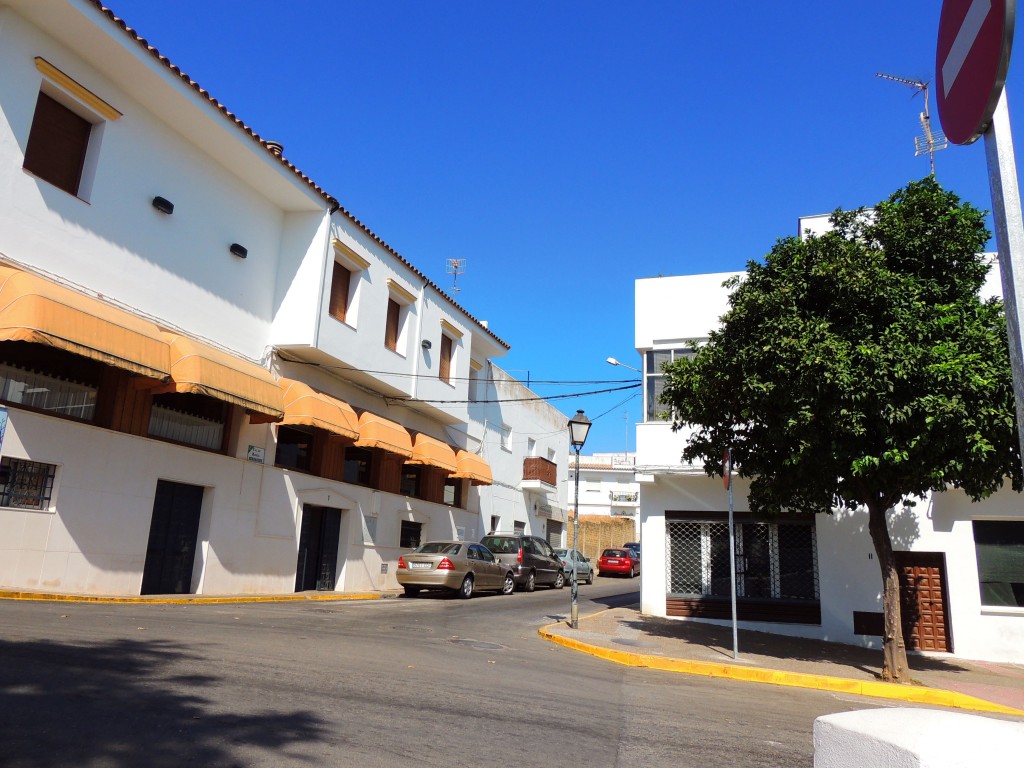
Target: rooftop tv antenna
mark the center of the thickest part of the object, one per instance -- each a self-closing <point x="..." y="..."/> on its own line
<point x="932" y="140"/>
<point x="455" y="268"/>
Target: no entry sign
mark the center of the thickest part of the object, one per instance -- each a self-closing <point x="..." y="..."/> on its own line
<point x="975" y="37"/>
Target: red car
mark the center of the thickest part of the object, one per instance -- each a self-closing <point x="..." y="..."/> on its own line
<point x="622" y="562"/>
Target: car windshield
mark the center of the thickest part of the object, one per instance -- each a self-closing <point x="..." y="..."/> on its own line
<point x="501" y="544"/>
<point x="562" y="552"/>
<point x="438" y="548"/>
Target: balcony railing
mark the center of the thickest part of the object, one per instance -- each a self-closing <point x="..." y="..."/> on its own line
<point x="536" y="468"/>
<point x="629" y="497"/>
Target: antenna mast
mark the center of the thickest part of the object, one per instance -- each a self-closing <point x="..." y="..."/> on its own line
<point x="932" y="140"/>
<point x="455" y="268"/>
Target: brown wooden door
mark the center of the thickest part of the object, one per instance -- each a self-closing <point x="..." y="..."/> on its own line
<point x="923" y="601"/>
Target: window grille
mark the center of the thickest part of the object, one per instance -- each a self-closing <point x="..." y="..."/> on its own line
<point x="47" y="393"/>
<point x="26" y="484"/>
<point x="773" y="560"/>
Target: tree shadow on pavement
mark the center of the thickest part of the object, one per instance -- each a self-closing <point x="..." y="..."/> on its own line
<point x="781" y="648"/>
<point x="130" y="703"/>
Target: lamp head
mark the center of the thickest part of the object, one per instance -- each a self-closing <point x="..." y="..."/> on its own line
<point x="579" y="426"/>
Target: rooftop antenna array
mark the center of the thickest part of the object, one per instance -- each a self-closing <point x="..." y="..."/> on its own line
<point x="455" y="267"/>
<point x="932" y="140"/>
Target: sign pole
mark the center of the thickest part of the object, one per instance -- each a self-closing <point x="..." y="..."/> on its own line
<point x="1006" y="214"/>
<point x="732" y="553"/>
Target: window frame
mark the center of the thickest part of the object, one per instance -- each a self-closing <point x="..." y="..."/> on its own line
<point x="345" y="258"/>
<point x="655" y="375"/>
<point x="31" y="469"/>
<point x="400" y="300"/>
<point x="986" y="567"/>
<point x="446" y="358"/>
<point x="410" y="534"/>
<point x="58" y="144"/>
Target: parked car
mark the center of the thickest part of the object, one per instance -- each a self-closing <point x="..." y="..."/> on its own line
<point x="635" y="546"/>
<point x="573" y="559"/>
<point x="457" y="566"/>
<point x="531" y="559"/>
<point x="618" y="561"/>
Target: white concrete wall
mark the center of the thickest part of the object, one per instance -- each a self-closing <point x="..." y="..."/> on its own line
<point x="901" y="737"/>
<point x="174" y="268"/>
<point x="697" y="302"/>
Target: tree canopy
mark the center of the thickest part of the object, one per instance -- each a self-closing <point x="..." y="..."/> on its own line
<point x="857" y="369"/>
<point x="859" y="366"/>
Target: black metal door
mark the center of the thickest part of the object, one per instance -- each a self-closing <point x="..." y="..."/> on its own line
<point x="316" y="567"/>
<point x="171" y="552"/>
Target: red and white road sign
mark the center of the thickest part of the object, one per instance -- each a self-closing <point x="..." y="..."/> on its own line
<point x="973" y="54"/>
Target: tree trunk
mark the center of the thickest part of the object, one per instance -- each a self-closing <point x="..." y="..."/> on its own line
<point x="894" y="651"/>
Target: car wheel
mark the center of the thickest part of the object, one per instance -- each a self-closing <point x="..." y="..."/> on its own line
<point x="509" y="585"/>
<point x="466" y="590"/>
<point x="559" y="581"/>
<point x="412" y="591"/>
<point x="590" y="576"/>
<point x="531" y="582"/>
<point x="632" y="574"/>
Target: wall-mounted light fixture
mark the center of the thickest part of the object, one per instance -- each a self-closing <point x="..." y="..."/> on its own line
<point x="426" y="344"/>
<point x="239" y="250"/>
<point x="163" y="205"/>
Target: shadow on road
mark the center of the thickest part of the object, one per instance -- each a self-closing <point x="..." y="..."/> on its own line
<point x="125" y="703"/>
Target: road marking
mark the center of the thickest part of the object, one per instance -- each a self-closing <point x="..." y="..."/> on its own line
<point x="963" y="43"/>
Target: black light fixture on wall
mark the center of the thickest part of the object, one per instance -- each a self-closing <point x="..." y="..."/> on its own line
<point x="239" y="250"/>
<point x="163" y="205"/>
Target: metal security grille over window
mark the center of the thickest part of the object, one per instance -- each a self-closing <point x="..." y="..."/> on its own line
<point x="26" y="484"/>
<point x="774" y="561"/>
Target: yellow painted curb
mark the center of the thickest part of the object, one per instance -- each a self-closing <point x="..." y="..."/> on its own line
<point x="188" y="600"/>
<point x="879" y="690"/>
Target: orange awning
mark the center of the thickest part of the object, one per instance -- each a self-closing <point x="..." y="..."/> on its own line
<point x="199" y="369"/>
<point x="377" y="432"/>
<point x="305" y="406"/>
<point x="432" y="453"/>
<point x="40" y="311"/>
<point x="473" y="467"/>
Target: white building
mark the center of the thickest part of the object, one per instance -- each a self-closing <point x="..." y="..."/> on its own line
<point x="962" y="564"/>
<point x="215" y="379"/>
<point x="608" y="487"/>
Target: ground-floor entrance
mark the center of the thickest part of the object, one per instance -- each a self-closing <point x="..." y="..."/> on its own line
<point x="319" y="536"/>
<point x="923" y="601"/>
<point x="170" y="554"/>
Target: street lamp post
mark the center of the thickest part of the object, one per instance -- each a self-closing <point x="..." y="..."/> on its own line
<point x="579" y="426"/>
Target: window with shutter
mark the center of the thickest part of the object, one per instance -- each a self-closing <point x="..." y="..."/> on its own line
<point x="444" y="369"/>
<point x="341" y="284"/>
<point x="391" y="331"/>
<point x="57" y="143"/>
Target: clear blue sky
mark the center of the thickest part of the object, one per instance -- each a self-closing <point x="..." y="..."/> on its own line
<point x="565" y="149"/>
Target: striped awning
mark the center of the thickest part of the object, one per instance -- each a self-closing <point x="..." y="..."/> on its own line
<point x="40" y="311"/>
<point x="377" y="432"/>
<point x="473" y="467"/>
<point x="431" y="452"/>
<point x="197" y="368"/>
<point x="304" y="406"/>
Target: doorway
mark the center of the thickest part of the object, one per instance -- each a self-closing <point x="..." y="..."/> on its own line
<point x="319" y="536"/>
<point x="170" y="554"/>
<point x="923" y="601"/>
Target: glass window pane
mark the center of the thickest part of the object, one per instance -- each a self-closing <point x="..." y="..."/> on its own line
<point x="1000" y="548"/>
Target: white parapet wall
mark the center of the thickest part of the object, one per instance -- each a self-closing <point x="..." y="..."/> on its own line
<point x="903" y="737"/>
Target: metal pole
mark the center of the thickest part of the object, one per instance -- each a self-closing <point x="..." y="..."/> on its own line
<point x="1006" y="210"/>
<point x="732" y="566"/>
<point x="574" y="611"/>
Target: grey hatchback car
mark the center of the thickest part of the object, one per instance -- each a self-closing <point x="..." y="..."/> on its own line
<point x="532" y="559"/>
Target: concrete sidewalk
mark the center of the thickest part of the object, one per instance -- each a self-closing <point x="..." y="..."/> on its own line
<point x="625" y="636"/>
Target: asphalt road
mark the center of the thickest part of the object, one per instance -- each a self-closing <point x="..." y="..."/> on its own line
<point x="427" y="681"/>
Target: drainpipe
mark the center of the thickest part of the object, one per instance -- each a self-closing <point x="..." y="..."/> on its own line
<point x="417" y="349"/>
<point x="323" y="279"/>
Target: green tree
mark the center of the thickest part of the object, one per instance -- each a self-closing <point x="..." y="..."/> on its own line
<point x="859" y="369"/>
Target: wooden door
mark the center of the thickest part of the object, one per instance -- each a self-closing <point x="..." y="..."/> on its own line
<point x="923" y="601"/>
